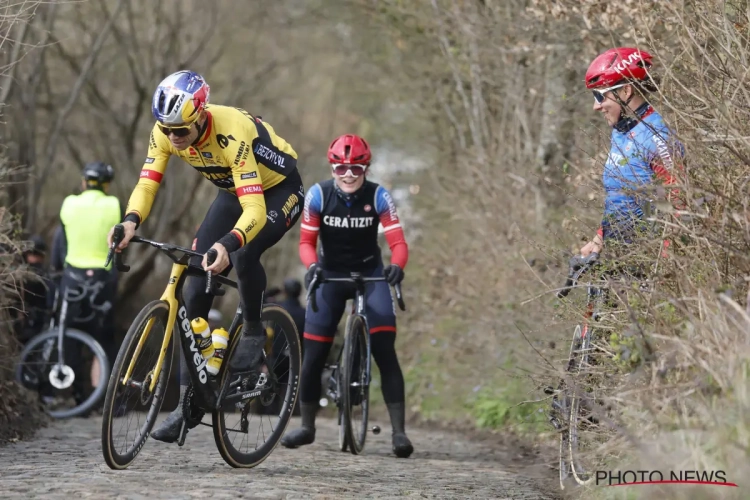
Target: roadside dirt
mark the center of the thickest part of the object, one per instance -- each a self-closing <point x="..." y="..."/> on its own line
<point x="20" y="413"/>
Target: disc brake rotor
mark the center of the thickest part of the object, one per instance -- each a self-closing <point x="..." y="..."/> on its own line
<point x="146" y="394"/>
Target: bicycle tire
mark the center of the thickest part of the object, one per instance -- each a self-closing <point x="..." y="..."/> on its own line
<point x="97" y="394"/>
<point x="228" y="452"/>
<point x="354" y="338"/>
<point x="581" y="345"/>
<point x="565" y="463"/>
<point x="112" y="457"/>
<point x="343" y="441"/>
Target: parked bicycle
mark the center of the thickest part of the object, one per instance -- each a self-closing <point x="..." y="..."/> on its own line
<point x="141" y="371"/>
<point x="349" y="383"/>
<point x="57" y="363"/>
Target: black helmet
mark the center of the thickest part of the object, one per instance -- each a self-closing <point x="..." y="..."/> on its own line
<point x="38" y="246"/>
<point x="96" y="173"/>
<point x="292" y="287"/>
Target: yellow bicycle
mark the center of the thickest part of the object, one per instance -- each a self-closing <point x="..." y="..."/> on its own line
<point x="141" y="371"/>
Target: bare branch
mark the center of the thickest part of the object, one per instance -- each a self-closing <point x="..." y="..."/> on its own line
<point x="62" y="114"/>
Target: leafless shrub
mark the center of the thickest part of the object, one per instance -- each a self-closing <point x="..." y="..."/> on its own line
<point x="518" y="178"/>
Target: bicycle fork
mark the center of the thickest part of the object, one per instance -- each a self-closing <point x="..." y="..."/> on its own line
<point x="61" y="376"/>
<point x="557" y="417"/>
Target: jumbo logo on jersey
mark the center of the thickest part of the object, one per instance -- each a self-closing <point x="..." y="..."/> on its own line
<point x="242" y="153"/>
<point x="291" y="202"/>
<point x="348" y="222"/>
<point x="216" y="176"/>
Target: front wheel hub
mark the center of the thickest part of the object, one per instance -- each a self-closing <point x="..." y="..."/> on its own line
<point x="61" y="376"/>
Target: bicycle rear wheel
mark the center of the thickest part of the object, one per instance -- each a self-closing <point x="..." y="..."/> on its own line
<point x="40" y="369"/>
<point x="235" y="423"/>
<point x="130" y="401"/>
<point x="355" y="386"/>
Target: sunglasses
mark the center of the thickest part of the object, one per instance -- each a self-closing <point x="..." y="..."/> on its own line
<point x="599" y="94"/>
<point x="341" y="169"/>
<point x="177" y="131"/>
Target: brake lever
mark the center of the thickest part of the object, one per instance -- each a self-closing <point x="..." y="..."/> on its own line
<point x="311" y="294"/>
<point x="575" y="264"/>
<point x="212" y="288"/>
<point x="399" y="297"/>
<point x="117" y="236"/>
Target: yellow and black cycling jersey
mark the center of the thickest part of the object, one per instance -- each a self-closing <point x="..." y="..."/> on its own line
<point x="238" y="152"/>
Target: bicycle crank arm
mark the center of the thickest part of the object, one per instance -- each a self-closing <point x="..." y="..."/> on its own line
<point x="183" y="433"/>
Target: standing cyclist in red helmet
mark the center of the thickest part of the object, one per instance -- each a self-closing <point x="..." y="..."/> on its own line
<point x="344" y="212"/>
<point x="642" y="147"/>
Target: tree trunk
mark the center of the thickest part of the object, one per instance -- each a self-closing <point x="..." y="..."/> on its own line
<point x="556" y="133"/>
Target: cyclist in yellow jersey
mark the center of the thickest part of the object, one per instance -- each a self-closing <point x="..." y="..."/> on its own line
<point x="259" y="199"/>
<point x="85" y="220"/>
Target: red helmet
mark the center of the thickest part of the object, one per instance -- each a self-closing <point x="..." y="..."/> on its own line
<point x="616" y="65"/>
<point x="349" y="149"/>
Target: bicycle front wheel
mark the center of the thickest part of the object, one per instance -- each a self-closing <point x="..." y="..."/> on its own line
<point x="582" y="430"/>
<point x="355" y="384"/>
<point x="132" y="400"/>
<point x="65" y="381"/>
<point x="561" y="411"/>
<point x="242" y="439"/>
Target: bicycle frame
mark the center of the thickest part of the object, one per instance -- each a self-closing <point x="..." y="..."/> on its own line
<point x="594" y="296"/>
<point x="62" y="300"/>
<point x="578" y="267"/>
<point x="358" y="307"/>
<point x="205" y="387"/>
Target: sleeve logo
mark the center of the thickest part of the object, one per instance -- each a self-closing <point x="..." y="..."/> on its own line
<point x="249" y="175"/>
<point x="254" y="189"/>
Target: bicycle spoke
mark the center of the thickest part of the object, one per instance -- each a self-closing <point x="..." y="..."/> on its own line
<point x="267" y="414"/>
<point x="131" y="408"/>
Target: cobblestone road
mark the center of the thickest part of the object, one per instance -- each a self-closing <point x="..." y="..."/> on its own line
<point x="65" y="461"/>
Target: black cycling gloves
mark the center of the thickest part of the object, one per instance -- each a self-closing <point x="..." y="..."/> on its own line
<point x="393" y="274"/>
<point x="312" y="271"/>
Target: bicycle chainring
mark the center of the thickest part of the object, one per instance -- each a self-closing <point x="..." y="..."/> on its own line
<point x="192" y="414"/>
